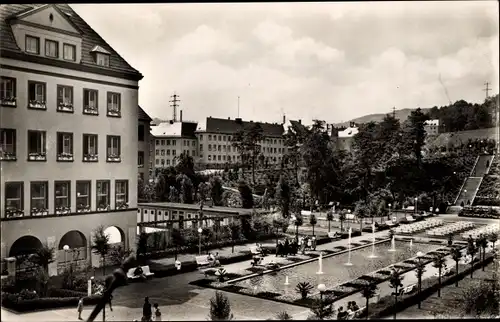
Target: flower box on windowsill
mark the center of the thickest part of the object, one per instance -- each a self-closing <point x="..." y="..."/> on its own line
<point x="37" y="157"/>
<point x="113" y="158"/>
<point x="38" y="105"/>
<point x="7" y="156"/>
<point x="63" y="210"/>
<point x="92" y="110"/>
<point x="81" y="209"/>
<point x="39" y="212"/>
<point x="63" y="107"/>
<point x="103" y="208"/>
<point x="13" y="212"/>
<point x="140" y="166"/>
<point x="65" y="157"/>
<point x="114" y="112"/>
<point x="8" y="101"/>
<point x="90" y="158"/>
<point x="122" y="205"/>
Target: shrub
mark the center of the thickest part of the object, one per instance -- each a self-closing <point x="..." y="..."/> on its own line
<point x="60" y="292"/>
<point x="14" y="302"/>
<point x="304" y="289"/>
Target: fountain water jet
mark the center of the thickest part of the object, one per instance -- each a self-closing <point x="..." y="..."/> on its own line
<point x="373" y="243"/>
<point x="349" y="253"/>
<point x="286" y="280"/>
<point x="393" y="244"/>
<point x="320" y="263"/>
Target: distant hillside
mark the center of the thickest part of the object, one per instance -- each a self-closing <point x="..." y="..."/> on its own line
<point x="401" y="115"/>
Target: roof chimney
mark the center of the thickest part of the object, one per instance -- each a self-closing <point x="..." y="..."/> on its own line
<point x="284" y="119"/>
<point x="180" y="116"/>
<point x="300" y="121"/>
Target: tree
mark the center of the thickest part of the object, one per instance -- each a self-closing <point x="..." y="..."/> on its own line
<point x="342" y="218"/>
<point x="177" y="239"/>
<point x="329" y="217"/>
<point x="216" y="191"/>
<point x="313" y="221"/>
<point x="283" y="316"/>
<point x="483" y="244"/>
<point x="245" y="195"/>
<point x="277" y="225"/>
<point x="142" y="245"/>
<point x="101" y="245"/>
<point x="416" y="125"/>
<point x="493" y="238"/>
<point x="395" y="282"/>
<point x="362" y="211"/>
<point x="439" y="262"/>
<point x="283" y="195"/>
<point x="220" y="307"/>
<point x="235" y="233"/>
<point x="481" y="301"/>
<point x="173" y="195"/>
<point x="43" y="257"/>
<point x="471" y="250"/>
<point x="299" y="221"/>
<point x="456" y="254"/>
<point x="119" y="254"/>
<point x="369" y="291"/>
<point x="186" y="191"/>
<point x="247" y="141"/>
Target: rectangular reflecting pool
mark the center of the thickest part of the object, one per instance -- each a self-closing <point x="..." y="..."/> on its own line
<point x="335" y="271"/>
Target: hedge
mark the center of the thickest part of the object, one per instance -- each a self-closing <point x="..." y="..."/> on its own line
<point x="486" y="201"/>
<point x="386" y="306"/>
<point x="61" y="292"/>
<point x="479" y="212"/>
<point x="11" y="301"/>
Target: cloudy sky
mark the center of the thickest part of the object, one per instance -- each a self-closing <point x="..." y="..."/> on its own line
<point x="333" y="61"/>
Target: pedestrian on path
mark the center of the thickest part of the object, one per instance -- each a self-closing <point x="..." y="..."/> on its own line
<point x="146" y="310"/>
<point x="80" y="308"/>
<point x="157" y="312"/>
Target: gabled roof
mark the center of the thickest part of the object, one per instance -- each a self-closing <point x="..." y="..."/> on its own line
<point x="228" y="126"/>
<point x="99" y="49"/>
<point x="33" y="10"/>
<point x="90" y="38"/>
<point x="142" y="115"/>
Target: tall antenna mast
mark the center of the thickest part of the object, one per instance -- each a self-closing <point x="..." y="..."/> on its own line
<point x="238" y="107"/>
<point x="394" y="112"/>
<point x="487" y="89"/>
<point x="174" y="104"/>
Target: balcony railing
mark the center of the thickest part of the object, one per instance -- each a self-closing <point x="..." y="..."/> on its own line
<point x="65" y="107"/>
<point x="7" y="156"/>
<point x="92" y="110"/>
<point x="8" y="101"/>
<point x="37" y="156"/>
<point x="65" y="157"/>
<point x="39" y="105"/>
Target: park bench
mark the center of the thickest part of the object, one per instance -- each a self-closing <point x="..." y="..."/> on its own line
<point x="334" y="235"/>
<point x="204" y="264"/>
<point x="146" y="271"/>
<point x="408" y="289"/>
<point x="257" y="256"/>
<point x="131" y="275"/>
<point x="410" y="218"/>
<point x="390" y="223"/>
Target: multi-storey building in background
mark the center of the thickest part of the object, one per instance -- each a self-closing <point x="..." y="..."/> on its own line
<point x="68" y="124"/>
<point x="144" y="138"/>
<point x="432" y="127"/>
<point x="170" y="139"/>
<point x="215" y="139"/>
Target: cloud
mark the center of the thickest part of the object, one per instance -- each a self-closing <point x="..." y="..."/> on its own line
<point x="333" y="61"/>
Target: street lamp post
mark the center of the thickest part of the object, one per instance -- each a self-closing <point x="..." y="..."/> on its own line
<point x="416" y="204"/>
<point x="321" y="289"/>
<point x="420" y="272"/>
<point x="66" y="249"/>
<point x="389" y="212"/>
<point x="199" y="240"/>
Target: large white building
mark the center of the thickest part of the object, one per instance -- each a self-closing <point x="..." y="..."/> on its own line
<point x="69" y="120"/>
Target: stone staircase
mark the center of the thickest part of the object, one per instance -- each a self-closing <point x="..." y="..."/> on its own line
<point x="473" y="182"/>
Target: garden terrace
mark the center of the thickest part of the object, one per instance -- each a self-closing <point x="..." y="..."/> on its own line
<point x="489" y="191"/>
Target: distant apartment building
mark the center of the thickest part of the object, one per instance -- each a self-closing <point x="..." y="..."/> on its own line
<point x="215" y="139"/>
<point x="68" y="138"/>
<point x="344" y="137"/>
<point x="432" y="127"/>
<point x="143" y="150"/>
<point x="171" y="139"/>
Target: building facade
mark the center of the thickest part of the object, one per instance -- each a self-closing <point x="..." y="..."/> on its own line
<point x="432" y="127"/>
<point x="215" y="139"/>
<point x="68" y="151"/>
<point x="144" y="139"/>
<point x="171" y="139"/>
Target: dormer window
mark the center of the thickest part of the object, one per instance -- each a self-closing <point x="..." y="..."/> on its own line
<point x="101" y="56"/>
<point x="33" y="45"/>
<point x="102" y="59"/>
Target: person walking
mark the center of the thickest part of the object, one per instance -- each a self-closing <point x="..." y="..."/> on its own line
<point x="146" y="310"/>
<point x="157" y="312"/>
<point x="80" y="308"/>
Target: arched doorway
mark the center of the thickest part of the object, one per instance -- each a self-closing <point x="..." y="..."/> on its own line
<point x="22" y="249"/>
<point x="117" y="250"/>
<point x="76" y="251"/>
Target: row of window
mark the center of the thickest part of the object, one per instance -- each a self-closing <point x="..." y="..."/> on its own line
<point x="37" y="146"/>
<point x="173" y="142"/>
<point x="224" y="148"/>
<point x="52" y="50"/>
<point x="39" y="197"/>
<point x="37" y="98"/>
<point x="228" y="138"/>
<point x="174" y="152"/>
